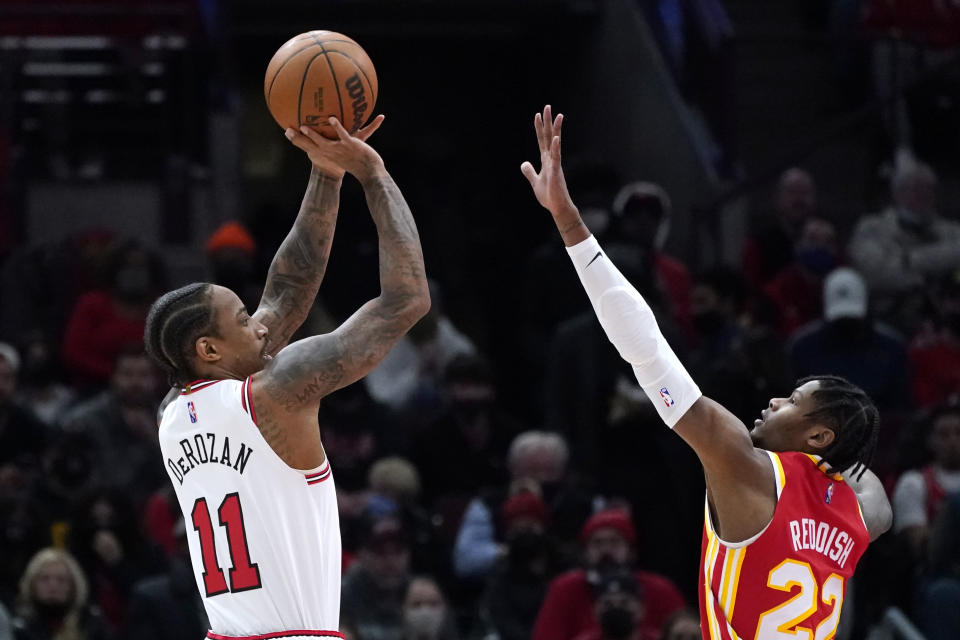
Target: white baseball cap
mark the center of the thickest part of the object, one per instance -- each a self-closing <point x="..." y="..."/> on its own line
<point x="844" y="295"/>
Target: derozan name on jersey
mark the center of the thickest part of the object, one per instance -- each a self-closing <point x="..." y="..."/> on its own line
<point x="206" y="449"/>
<point x="808" y="534"/>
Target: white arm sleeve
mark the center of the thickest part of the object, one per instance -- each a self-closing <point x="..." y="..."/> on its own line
<point x="630" y="325"/>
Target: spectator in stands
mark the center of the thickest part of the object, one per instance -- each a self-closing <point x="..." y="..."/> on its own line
<point x="518" y="583"/>
<point x="465" y="445"/>
<point x="909" y="245"/>
<point x="619" y="609"/>
<point x="735" y="363"/>
<point x="168" y="605"/>
<point x="408" y="379"/>
<point x="935" y="355"/>
<point x="23" y="529"/>
<point x="231" y="262"/>
<point x="22" y="435"/>
<point x="53" y="601"/>
<point x="609" y="545"/>
<point x="40" y="386"/>
<point x="104" y="323"/>
<point x="939" y="600"/>
<point x="106" y="539"/>
<point x="682" y="625"/>
<point x="426" y="615"/>
<point x="394" y="485"/>
<point x="537" y="461"/>
<point x="770" y="248"/>
<point x="122" y="423"/>
<point x="796" y="292"/>
<point x="919" y="494"/>
<point x="375" y="587"/>
<point x="70" y="475"/>
<point x="849" y="343"/>
<point x="641" y="223"/>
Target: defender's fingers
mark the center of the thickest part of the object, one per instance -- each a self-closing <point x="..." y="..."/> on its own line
<point x="528" y="172"/>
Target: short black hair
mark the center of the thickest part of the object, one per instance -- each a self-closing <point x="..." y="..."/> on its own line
<point x="175" y="321"/>
<point x="847" y="410"/>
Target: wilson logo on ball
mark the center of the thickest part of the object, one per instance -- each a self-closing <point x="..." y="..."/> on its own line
<point x="355" y="89"/>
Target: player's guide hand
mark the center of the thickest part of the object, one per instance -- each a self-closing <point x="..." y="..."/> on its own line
<point x="347" y="153"/>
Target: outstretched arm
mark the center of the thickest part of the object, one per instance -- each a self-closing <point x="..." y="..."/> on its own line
<point x="739" y="476"/>
<point x="301" y="261"/>
<point x="288" y="392"/>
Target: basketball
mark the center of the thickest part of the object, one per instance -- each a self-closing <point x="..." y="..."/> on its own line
<point x="319" y="74"/>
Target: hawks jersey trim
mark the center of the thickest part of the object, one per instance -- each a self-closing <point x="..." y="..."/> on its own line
<point x="791" y="576"/>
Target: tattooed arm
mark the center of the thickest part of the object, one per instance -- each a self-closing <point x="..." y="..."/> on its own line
<point x="298" y="267"/>
<point x="287" y="393"/>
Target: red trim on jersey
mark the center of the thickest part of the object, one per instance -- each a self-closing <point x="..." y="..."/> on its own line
<point x="197" y="385"/>
<point x="278" y="634"/>
<point x="248" y="396"/>
<point x="319" y="476"/>
<point x="243" y="396"/>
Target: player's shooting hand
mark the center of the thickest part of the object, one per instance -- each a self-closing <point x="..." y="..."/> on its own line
<point x="549" y="185"/>
<point x="346" y="153"/>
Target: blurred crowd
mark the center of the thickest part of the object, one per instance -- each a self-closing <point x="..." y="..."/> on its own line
<point x="461" y="520"/>
<point x="505" y="494"/>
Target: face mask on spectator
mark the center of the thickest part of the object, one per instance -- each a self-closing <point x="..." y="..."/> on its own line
<point x="51" y="610"/>
<point x="616" y="623"/>
<point x="524" y="547"/>
<point x="817" y="260"/>
<point x="424" y="621"/>
<point x="708" y="322"/>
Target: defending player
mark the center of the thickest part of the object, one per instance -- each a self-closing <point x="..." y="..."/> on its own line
<point x="783" y="529"/>
<point x="241" y="442"/>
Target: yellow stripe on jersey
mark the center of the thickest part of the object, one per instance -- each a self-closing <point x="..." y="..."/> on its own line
<point x="781" y="476"/>
<point x="731" y="595"/>
<point x="820" y="462"/>
<point x="710" y="560"/>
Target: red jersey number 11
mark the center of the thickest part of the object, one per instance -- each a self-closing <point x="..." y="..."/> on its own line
<point x="244" y="574"/>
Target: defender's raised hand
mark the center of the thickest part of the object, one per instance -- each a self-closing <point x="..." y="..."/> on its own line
<point x="345" y="153"/>
<point x="549" y="184"/>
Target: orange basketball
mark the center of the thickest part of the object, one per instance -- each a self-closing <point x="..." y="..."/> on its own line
<point x="319" y="74"/>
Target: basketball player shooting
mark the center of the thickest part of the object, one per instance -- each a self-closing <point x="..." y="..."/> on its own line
<point x="241" y="441"/>
<point x="790" y="505"/>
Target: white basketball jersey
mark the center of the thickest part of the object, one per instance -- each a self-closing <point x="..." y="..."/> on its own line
<point x="264" y="538"/>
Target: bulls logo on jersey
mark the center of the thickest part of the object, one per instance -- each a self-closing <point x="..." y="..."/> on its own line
<point x="192" y="411"/>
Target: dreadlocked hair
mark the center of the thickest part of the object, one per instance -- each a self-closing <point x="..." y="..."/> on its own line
<point x="850" y="413"/>
<point x="174" y="323"/>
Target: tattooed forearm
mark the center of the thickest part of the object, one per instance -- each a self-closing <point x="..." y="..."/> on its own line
<point x="301" y="375"/>
<point x="298" y="268"/>
<point x="402" y="276"/>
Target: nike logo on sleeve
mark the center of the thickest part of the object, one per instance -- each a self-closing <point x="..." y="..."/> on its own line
<point x="594" y="259"/>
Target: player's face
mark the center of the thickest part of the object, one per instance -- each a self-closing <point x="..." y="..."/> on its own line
<point x="242" y="339"/>
<point x="783" y="425"/>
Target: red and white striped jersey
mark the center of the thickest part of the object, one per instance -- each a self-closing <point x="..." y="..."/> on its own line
<point x="789" y="580"/>
<point x="264" y="538"/>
